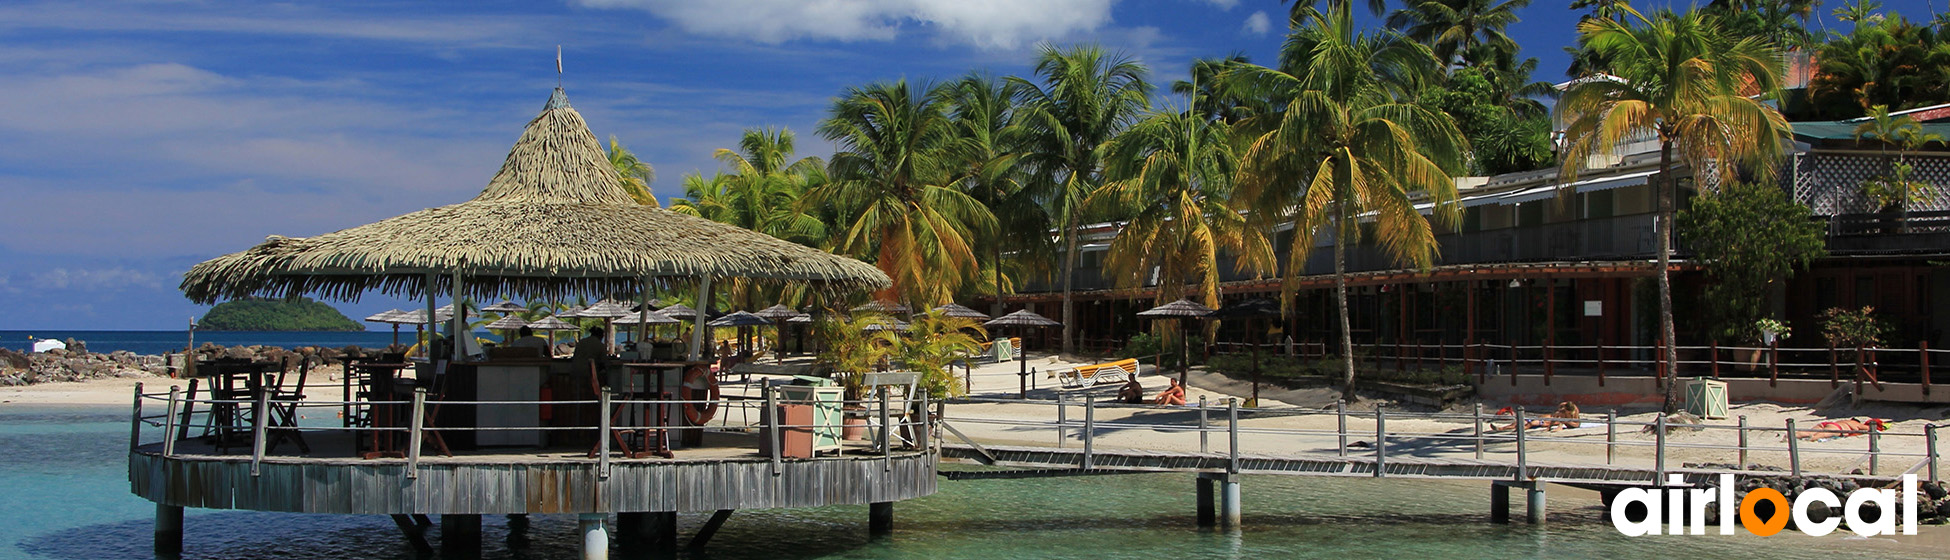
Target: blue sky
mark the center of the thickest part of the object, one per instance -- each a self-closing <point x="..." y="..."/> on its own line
<point x="138" y="138"/>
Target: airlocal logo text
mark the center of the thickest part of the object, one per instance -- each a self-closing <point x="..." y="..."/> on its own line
<point x="1684" y="510"/>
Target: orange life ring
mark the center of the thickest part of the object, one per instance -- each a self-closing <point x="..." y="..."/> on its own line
<point x="698" y="382"/>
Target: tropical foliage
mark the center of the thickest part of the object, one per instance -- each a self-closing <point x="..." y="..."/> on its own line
<point x="1883" y="60"/>
<point x="1893" y="189"/>
<point x="636" y="174"/>
<point x="256" y="314"/>
<point x="1682" y="80"/>
<point x="1752" y="238"/>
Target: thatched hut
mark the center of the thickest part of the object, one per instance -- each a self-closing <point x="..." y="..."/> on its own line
<point x="555" y="221"/>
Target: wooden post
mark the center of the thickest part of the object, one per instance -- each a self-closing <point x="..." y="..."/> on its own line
<point x="1659" y="362"/>
<point x="1062" y="417"/>
<point x="1774" y="362"/>
<point x="1659" y="450"/>
<point x="886" y="442"/>
<point x="774" y="433"/>
<point x="1401" y="324"/>
<point x="1469" y="333"/>
<point x="1834" y="368"/>
<point x="1513" y="363"/>
<point x="1875" y="449"/>
<point x="169" y="530"/>
<point x="1601" y="361"/>
<point x="1340" y="412"/>
<point x="135" y="421"/>
<point x="260" y="411"/>
<point x="1203" y="426"/>
<point x="1232" y="435"/>
<point x="603" y="430"/>
<point x="169" y="423"/>
<point x="1089" y="429"/>
<point x="1523" y="466"/>
<point x="1611" y="436"/>
<point x="1713" y="357"/>
<point x="1743" y="442"/>
<point x="416" y="433"/>
<point x="1550" y="328"/>
<point x="1929" y="448"/>
<point x="1794" y="449"/>
<point x="1922" y="350"/>
<point x="1380" y="442"/>
<point x="1477" y="420"/>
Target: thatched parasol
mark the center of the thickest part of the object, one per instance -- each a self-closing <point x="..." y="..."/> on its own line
<point x="507" y="325"/>
<point x="679" y="311"/>
<point x="555" y="221"/>
<point x="780" y="314"/>
<point x="883" y="307"/>
<point x="886" y="324"/>
<point x="958" y="310"/>
<point x="1181" y="310"/>
<point x="552" y="324"/>
<point x="740" y="319"/>
<point x="1250" y="310"/>
<point x="393" y="316"/>
<point x="1022" y="320"/>
<point x="505" y="307"/>
<point x="647" y="318"/>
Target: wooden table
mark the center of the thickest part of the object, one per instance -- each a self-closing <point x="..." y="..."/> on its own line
<point x="228" y="423"/>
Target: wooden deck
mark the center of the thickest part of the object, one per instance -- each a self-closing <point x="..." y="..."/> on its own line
<point x="725" y="473"/>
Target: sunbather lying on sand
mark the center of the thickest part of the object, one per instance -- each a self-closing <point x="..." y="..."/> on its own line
<point x="1841" y="428"/>
<point x="1565" y="410"/>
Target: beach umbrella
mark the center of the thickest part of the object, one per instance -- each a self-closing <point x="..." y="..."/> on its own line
<point x="740" y="319"/>
<point x="392" y="316"/>
<point x="608" y="310"/>
<point x="779" y="314"/>
<point x="679" y="311"/>
<point x="552" y="324"/>
<point x="504" y="308"/>
<point x="1181" y="310"/>
<point x="1022" y="320"/>
<point x="957" y="310"/>
<point x="644" y="319"/>
<point x="883" y="307"/>
<point x="1250" y="310"/>
<point x="507" y="324"/>
<point x="885" y="324"/>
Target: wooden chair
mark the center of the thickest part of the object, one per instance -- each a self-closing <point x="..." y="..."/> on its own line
<point x="885" y="383"/>
<point x="436" y="394"/>
<point x="284" y="410"/>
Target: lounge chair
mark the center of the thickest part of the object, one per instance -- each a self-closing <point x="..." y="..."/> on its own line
<point x="1096" y="374"/>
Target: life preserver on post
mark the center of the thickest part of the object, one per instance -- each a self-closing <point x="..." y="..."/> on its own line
<point x="699" y="385"/>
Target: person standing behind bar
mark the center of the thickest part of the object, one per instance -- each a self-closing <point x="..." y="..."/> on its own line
<point x="593" y="347"/>
<point x="526" y="339"/>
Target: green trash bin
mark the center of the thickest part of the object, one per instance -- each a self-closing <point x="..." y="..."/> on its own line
<point x="1707" y="398"/>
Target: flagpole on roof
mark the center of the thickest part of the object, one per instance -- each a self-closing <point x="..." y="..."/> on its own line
<point x="558" y="67"/>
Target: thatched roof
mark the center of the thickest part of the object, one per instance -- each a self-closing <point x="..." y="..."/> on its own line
<point x="507" y="323"/>
<point x="605" y="309"/>
<point x="959" y="310"/>
<point x="883" y="307"/>
<point x="780" y="311"/>
<point x="739" y="319"/>
<point x="1023" y="318"/>
<point x="1250" y="308"/>
<point x="552" y="324"/>
<point x="554" y="221"/>
<point x="679" y="311"/>
<point x="1181" y="309"/>
<point x="505" y="307"/>
<point x="387" y="316"/>
<point x="646" y="317"/>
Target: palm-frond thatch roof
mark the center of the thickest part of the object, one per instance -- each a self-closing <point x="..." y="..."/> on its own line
<point x="552" y="324"/>
<point x="1181" y="309"/>
<point x="1023" y="318"/>
<point x="739" y="319"/>
<point x="554" y="221"/>
<point x="647" y="318"/>
<point x="507" y="323"/>
<point x="959" y="310"/>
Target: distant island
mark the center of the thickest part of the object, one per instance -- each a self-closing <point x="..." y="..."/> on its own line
<point x="300" y="314"/>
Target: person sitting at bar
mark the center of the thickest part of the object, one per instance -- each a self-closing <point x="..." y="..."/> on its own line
<point x="1172" y="396"/>
<point x="526" y="339"/>
<point x="1132" y="393"/>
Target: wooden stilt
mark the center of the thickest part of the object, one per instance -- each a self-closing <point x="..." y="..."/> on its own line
<point x="710" y="528"/>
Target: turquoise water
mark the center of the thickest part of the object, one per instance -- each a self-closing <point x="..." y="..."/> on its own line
<point x="158" y="342"/>
<point x="64" y="495"/>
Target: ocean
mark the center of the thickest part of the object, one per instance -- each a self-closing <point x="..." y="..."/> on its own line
<point x="158" y="342"/>
<point x="64" y="475"/>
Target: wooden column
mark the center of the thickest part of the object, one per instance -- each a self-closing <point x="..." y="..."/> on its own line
<point x="1469" y="333"/>
<point x="1550" y="329"/>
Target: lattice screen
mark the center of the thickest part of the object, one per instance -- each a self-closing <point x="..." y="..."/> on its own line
<point x="1832" y="183"/>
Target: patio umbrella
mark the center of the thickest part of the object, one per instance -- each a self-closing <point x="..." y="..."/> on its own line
<point x="740" y="319"/>
<point x="393" y="316"/>
<point x="957" y="310"/>
<point x="609" y="311"/>
<point x="681" y="312"/>
<point x="505" y="307"/>
<point x="644" y="319"/>
<point x="552" y="324"/>
<point x="883" y="307"/>
<point x="1250" y="310"/>
<point x="1181" y="310"/>
<point x="1022" y="320"/>
<point x="507" y="324"/>
<point x="780" y="314"/>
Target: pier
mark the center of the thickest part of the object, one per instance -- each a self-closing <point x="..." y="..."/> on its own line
<point x="731" y="468"/>
<point x="1220" y="443"/>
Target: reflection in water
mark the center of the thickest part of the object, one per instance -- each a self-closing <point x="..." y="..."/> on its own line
<point x="67" y="498"/>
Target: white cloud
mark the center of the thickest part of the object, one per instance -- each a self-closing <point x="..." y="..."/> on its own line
<point x="100" y="279"/>
<point x="268" y="19"/>
<point x="999" y="24"/>
<point x="1224" y="4"/>
<point x="1257" y="24"/>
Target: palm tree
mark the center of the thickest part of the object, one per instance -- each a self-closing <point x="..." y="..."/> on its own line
<point x="1885" y="61"/>
<point x="1682" y="80"/>
<point x="891" y="181"/>
<point x="935" y="340"/>
<point x="1173" y="173"/>
<point x="636" y="174"/>
<point x="1347" y="144"/>
<point x="987" y="154"/>
<point x="1457" y="28"/>
<point x="1086" y="98"/>
<point x="1893" y="189"/>
<point x="1209" y="99"/>
<point x="761" y="194"/>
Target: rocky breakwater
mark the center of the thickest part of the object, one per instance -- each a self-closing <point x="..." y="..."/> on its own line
<point x="314" y="355"/>
<point x="74" y="363"/>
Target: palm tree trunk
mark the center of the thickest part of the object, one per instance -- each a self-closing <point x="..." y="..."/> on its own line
<point x="1662" y="226"/>
<point x="1069" y="275"/>
<point x="1340" y="293"/>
